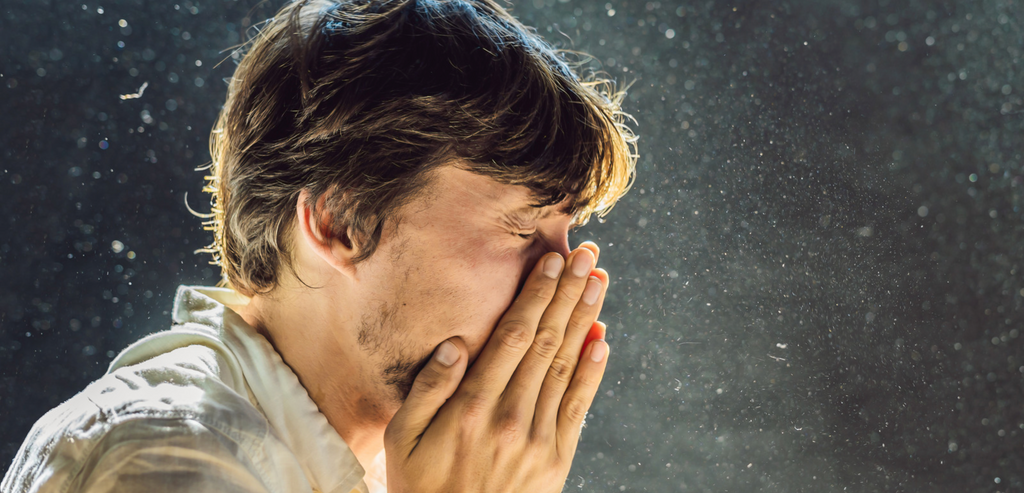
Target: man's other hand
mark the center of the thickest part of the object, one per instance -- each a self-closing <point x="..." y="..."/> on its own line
<point x="513" y="423"/>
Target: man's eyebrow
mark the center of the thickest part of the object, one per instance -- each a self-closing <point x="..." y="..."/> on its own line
<point x="532" y="212"/>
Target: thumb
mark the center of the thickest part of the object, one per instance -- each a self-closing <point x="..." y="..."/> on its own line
<point x="435" y="383"/>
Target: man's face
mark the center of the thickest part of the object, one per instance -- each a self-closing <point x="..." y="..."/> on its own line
<point x="451" y="268"/>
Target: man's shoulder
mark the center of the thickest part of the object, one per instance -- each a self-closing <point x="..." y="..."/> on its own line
<point x="175" y="397"/>
<point x="188" y="382"/>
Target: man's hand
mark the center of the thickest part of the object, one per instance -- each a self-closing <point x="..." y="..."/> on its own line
<point x="512" y="424"/>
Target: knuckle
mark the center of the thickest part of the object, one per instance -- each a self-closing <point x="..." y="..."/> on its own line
<point x="589" y="380"/>
<point x="538" y="294"/>
<point x="475" y="407"/>
<point x="567" y="295"/>
<point x="575" y="409"/>
<point x="561" y="369"/>
<point x="509" y="426"/>
<point x="540" y="438"/>
<point x="516" y="335"/>
<point x="547" y="343"/>
<point x="429" y="381"/>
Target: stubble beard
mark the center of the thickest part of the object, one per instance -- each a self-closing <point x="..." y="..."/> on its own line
<point x="378" y="337"/>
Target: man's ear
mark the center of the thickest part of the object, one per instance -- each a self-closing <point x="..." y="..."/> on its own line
<point x="336" y="250"/>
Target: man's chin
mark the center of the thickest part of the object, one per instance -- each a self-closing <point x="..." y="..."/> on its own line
<point x="400" y="376"/>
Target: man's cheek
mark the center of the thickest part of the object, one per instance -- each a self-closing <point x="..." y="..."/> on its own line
<point x="492" y="300"/>
<point x="498" y="274"/>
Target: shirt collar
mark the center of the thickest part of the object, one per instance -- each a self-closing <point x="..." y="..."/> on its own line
<point x="328" y="462"/>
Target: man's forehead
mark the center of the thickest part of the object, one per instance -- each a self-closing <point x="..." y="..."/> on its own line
<point x="510" y="200"/>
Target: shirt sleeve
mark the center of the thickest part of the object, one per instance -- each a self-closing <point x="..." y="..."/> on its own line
<point x="168" y="455"/>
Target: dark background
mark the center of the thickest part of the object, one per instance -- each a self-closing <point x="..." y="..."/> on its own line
<point x="817" y="277"/>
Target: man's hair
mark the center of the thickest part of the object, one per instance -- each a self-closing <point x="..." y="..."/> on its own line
<point x="357" y="101"/>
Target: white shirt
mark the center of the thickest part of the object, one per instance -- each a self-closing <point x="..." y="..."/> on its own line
<point x="208" y="406"/>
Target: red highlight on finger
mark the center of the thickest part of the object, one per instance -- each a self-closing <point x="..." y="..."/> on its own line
<point x="596" y="333"/>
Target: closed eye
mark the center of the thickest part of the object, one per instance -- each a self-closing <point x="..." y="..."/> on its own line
<point x="526" y="236"/>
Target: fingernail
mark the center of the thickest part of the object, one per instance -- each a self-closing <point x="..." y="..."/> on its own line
<point x="599" y="352"/>
<point x="592" y="291"/>
<point x="581" y="263"/>
<point x="446" y="354"/>
<point x="553" y="266"/>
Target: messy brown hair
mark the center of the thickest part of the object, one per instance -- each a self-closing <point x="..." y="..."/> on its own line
<point x="357" y="100"/>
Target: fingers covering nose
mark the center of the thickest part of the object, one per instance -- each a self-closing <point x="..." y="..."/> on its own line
<point x="589" y="245"/>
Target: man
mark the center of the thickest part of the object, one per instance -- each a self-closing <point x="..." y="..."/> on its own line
<point x="394" y="182"/>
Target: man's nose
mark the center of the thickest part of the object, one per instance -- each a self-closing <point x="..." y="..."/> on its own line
<point x="559" y="244"/>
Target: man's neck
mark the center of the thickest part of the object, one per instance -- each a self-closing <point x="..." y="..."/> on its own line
<point x="331" y="373"/>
